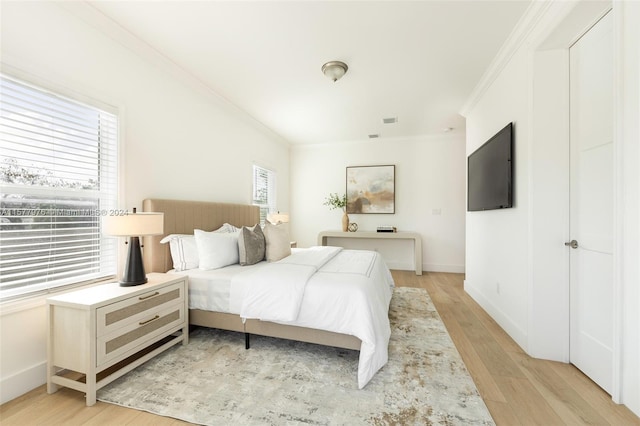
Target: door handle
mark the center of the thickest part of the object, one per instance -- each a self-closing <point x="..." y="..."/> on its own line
<point x="573" y="244"/>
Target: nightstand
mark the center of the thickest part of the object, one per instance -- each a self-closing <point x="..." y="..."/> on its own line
<point x="100" y="333"/>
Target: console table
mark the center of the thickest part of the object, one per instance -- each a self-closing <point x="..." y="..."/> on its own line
<point x="417" y="241"/>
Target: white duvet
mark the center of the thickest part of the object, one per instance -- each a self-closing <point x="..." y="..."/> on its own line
<point x="327" y="288"/>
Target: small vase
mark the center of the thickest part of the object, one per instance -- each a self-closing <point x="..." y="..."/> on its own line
<point x="345" y="222"/>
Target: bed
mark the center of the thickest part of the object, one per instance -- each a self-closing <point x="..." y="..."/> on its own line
<point x="183" y="217"/>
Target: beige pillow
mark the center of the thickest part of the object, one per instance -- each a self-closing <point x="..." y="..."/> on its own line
<point x="278" y="243"/>
<point x="251" y="245"/>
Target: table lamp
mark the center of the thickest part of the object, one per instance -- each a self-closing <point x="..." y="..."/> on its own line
<point x="278" y="218"/>
<point x="133" y="225"/>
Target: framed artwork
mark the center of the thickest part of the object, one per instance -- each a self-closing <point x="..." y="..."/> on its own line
<point x="371" y="189"/>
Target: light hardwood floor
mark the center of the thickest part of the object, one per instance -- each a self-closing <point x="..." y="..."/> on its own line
<point x="517" y="389"/>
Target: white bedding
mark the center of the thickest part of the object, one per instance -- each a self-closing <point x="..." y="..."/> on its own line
<point x="327" y="288"/>
<point x="275" y="292"/>
<point x="209" y="290"/>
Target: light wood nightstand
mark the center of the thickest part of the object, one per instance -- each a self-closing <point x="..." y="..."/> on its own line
<point x="100" y="333"/>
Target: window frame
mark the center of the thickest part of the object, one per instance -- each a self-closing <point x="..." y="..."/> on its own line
<point x="271" y="187"/>
<point x="107" y="256"/>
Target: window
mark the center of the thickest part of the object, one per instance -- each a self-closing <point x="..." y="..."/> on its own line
<point x="264" y="191"/>
<point x="58" y="176"/>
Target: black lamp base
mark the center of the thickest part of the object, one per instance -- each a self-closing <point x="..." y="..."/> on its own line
<point x="134" y="268"/>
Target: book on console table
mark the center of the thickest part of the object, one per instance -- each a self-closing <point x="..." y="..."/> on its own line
<point x="386" y="229"/>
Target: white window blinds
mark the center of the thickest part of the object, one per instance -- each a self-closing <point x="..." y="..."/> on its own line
<point x="264" y="191"/>
<point x="58" y="176"/>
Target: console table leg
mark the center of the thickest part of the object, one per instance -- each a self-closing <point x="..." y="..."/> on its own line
<point x="417" y="250"/>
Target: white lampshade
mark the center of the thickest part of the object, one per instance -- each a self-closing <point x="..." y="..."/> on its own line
<point x="278" y="218"/>
<point x="133" y="224"/>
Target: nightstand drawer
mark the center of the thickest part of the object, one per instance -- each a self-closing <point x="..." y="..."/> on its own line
<point x="136" y="309"/>
<point x="111" y="346"/>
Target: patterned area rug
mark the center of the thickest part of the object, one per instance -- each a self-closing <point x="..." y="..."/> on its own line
<point x="215" y="381"/>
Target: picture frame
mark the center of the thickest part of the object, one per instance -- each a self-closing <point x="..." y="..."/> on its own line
<point x="371" y="189"/>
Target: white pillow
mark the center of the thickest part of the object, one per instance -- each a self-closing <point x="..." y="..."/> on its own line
<point x="278" y="244"/>
<point x="184" y="251"/>
<point x="216" y="249"/>
<point x="227" y="227"/>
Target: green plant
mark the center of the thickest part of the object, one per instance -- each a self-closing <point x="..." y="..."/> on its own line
<point x="335" y="201"/>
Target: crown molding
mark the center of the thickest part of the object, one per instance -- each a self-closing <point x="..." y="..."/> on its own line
<point x="519" y="34"/>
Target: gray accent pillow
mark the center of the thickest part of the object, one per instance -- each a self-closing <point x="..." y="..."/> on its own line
<point x="251" y="245"/>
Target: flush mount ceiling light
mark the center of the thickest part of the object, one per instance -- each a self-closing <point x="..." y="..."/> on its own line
<point x="334" y="70"/>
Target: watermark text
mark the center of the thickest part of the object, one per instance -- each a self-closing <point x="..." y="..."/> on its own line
<point x="62" y="212"/>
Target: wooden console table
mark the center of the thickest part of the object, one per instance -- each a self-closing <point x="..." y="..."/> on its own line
<point x="417" y="241"/>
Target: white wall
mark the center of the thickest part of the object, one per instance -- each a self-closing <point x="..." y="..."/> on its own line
<point x="522" y="248"/>
<point x="178" y="140"/>
<point x="430" y="178"/>
<point x="496" y="249"/>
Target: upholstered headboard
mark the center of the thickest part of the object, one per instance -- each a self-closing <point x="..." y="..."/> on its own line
<point x="182" y="217"/>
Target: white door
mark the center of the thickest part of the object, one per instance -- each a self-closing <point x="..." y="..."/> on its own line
<point x="591" y="269"/>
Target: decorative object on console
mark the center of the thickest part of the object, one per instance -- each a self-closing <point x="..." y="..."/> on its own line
<point x="371" y="189"/>
<point x="353" y="227"/>
<point x="386" y="229"/>
<point x="334" y="201"/>
<point x="133" y="225"/>
<point x="335" y="70"/>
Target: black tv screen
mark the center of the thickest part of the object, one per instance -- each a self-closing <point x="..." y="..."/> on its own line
<point x="490" y="173"/>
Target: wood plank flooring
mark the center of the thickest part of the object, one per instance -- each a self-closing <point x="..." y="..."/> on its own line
<point x="517" y="389"/>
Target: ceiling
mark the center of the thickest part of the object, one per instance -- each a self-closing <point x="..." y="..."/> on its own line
<point x="416" y="60"/>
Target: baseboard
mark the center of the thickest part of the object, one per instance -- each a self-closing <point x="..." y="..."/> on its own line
<point x="22" y="382"/>
<point x="401" y="266"/>
<point x="432" y="267"/>
<point x="511" y="328"/>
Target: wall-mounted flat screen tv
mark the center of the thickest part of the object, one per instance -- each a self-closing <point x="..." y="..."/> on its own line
<point x="490" y="173"/>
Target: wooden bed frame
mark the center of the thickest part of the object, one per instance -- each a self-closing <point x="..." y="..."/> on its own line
<point x="182" y="217"/>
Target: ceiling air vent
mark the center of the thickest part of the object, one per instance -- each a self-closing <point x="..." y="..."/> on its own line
<point x="390" y="120"/>
<point x="374" y="136"/>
